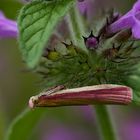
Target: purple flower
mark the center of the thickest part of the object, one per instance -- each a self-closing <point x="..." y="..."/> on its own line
<point x="83" y="5"/>
<point x="8" y="28"/>
<point x="129" y="20"/>
<point x="91" y="41"/>
<point x="63" y="132"/>
<point x="130" y="129"/>
<point x="86" y="8"/>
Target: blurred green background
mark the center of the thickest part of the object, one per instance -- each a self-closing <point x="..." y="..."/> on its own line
<point x="17" y="85"/>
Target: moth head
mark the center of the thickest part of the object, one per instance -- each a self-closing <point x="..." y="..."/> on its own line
<point x="33" y="101"/>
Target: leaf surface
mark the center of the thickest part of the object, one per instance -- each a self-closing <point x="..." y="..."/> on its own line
<point x="22" y="127"/>
<point x="36" y="23"/>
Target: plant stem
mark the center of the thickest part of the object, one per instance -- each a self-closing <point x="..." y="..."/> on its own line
<point x="76" y="27"/>
<point x="104" y="120"/>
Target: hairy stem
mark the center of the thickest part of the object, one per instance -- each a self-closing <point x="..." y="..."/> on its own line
<point x="76" y="27"/>
<point x="105" y="124"/>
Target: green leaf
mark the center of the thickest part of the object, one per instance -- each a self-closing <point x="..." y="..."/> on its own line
<point x="136" y="97"/>
<point x="105" y="124"/>
<point x="36" y="23"/>
<point x="23" y="125"/>
<point x="2" y="123"/>
<point x="133" y="82"/>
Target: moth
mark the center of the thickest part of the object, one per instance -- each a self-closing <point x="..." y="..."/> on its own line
<point x="99" y="94"/>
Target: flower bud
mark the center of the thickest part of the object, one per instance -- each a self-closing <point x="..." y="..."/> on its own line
<point x="91" y="42"/>
<point x="130" y="20"/>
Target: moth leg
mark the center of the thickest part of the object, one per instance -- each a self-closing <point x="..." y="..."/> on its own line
<point x="52" y="90"/>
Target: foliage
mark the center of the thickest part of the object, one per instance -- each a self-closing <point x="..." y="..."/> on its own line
<point x="36" y="23"/>
<point x="23" y="125"/>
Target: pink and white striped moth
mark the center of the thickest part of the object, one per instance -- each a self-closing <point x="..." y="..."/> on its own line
<point x="98" y="94"/>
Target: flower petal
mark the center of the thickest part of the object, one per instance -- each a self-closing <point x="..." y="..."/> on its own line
<point x="136" y="6"/>
<point x="136" y="30"/>
<point x="124" y="22"/>
<point x="2" y="15"/>
<point x="8" y="28"/>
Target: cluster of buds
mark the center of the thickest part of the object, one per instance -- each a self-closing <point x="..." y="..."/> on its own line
<point x="111" y="59"/>
<point x="64" y="62"/>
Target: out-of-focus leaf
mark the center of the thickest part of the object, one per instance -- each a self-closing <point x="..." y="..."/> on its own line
<point x="2" y="124"/>
<point x="36" y="23"/>
<point x="22" y="127"/>
<point x="136" y="97"/>
<point x="10" y="8"/>
<point x="134" y="83"/>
